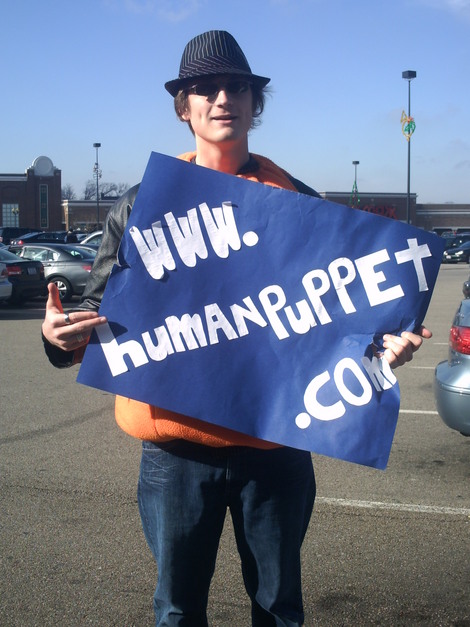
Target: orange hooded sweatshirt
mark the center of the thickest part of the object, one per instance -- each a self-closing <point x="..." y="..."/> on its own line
<point x="147" y="422"/>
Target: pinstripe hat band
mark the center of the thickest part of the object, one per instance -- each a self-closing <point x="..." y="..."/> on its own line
<point x="212" y="53"/>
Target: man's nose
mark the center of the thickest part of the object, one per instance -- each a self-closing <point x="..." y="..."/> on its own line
<point x="222" y="95"/>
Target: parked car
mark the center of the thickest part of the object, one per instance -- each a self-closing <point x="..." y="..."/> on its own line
<point x="66" y="265"/>
<point x="6" y="287"/>
<point x="7" y="233"/>
<point x="45" y="237"/>
<point x="459" y="253"/>
<point x="26" y="277"/>
<point x="94" y="238"/>
<point x="454" y="240"/>
<point x="452" y="377"/>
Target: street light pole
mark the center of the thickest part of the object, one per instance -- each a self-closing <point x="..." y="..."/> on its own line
<point x="97" y="175"/>
<point x="355" y="164"/>
<point x="408" y="75"/>
<point x="354" y="194"/>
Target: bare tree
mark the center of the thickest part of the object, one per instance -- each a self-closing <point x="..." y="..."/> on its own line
<point x="105" y="189"/>
<point x="68" y="193"/>
<point x="89" y="193"/>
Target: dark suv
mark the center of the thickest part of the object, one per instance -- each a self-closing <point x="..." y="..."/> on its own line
<point x="49" y="237"/>
<point x="454" y="241"/>
<point x="461" y="238"/>
<point x="7" y="233"/>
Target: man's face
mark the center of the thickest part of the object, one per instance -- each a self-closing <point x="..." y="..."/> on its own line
<point x="223" y="116"/>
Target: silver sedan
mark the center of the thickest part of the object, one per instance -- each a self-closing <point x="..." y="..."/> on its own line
<point x="66" y="265"/>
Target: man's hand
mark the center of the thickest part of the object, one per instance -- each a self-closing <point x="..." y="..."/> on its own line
<point x="399" y="349"/>
<point x="67" y="331"/>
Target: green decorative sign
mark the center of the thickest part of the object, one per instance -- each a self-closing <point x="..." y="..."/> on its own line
<point x="408" y="126"/>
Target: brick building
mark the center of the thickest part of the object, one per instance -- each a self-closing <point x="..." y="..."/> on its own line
<point x="83" y="214"/>
<point x="428" y="216"/>
<point x="32" y="199"/>
<point x="444" y="216"/>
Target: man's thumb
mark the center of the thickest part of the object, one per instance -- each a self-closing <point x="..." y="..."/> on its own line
<point x="53" y="301"/>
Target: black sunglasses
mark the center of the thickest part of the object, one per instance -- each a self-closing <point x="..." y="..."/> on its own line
<point x="212" y="89"/>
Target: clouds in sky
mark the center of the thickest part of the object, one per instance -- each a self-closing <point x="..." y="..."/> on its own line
<point x="461" y="8"/>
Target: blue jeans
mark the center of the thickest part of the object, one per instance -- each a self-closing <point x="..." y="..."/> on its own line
<point x="184" y="492"/>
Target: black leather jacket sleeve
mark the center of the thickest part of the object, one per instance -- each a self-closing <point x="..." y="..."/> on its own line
<point x="105" y="259"/>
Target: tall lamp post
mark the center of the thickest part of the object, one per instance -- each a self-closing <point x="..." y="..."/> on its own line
<point x="355" y="164"/>
<point x="354" y="196"/>
<point x="408" y="127"/>
<point x="97" y="175"/>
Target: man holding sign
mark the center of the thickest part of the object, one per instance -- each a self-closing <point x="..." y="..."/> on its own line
<point x="191" y="470"/>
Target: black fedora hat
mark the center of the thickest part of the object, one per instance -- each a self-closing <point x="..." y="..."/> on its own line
<point x="212" y="53"/>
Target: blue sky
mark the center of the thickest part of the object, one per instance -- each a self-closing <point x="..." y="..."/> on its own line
<point x="75" y="73"/>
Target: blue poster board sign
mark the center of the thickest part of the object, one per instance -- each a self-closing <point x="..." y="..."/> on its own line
<point x="255" y="308"/>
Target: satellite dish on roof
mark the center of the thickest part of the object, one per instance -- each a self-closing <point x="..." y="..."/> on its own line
<point x="43" y="166"/>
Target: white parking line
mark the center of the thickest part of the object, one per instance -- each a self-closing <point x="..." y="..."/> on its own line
<point x="418" y="411"/>
<point x="400" y="507"/>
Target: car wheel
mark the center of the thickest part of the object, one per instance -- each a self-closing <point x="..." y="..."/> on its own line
<point x="64" y="287"/>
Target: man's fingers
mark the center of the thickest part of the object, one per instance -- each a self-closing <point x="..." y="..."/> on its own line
<point x="67" y="331"/>
<point x="424" y="332"/>
<point x="71" y="335"/>
<point x="83" y="322"/>
<point x="399" y="349"/>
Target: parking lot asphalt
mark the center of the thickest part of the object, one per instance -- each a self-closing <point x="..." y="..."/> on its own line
<point x="383" y="548"/>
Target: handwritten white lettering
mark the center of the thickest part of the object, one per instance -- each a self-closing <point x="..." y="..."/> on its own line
<point x="188" y="238"/>
<point x="378" y="371"/>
